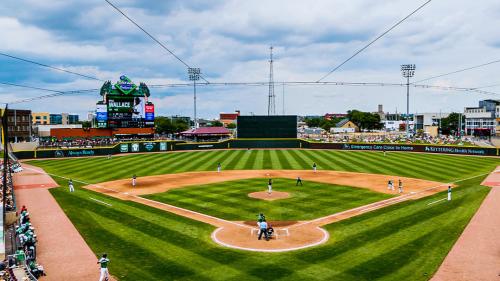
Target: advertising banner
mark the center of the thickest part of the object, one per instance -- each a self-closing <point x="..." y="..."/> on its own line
<point x="150" y="112"/>
<point x="163" y="146"/>
<point x="124" y="147"/>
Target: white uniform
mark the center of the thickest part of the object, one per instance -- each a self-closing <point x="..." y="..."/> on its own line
<point x="71" y="188"/>
<point x="449" y="194"/>
<point x="269" y="188"/>
<point x="104" y="269"/>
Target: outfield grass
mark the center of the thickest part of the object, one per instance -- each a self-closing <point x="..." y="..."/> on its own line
<point x="229" y="200"/>
<point x="436" y="167"/>
<point x="406" y="241"/>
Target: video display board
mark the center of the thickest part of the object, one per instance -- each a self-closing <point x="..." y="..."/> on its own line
<point x="280" y="126"/>
<point x="124" y="105"/>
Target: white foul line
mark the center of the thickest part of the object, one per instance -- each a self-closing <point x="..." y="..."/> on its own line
<point x="92" y="198"/>
<point x="436" y="201"/>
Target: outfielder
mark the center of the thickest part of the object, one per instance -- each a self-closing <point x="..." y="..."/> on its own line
<point x="270" y="186"/>
<point x="104" y="267"/>
<point x="70" y="185"/>
<point x="449" y="193"/>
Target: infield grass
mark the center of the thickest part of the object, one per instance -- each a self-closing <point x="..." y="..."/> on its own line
<point x="406" y="241"/>
<point x="229" y="200"/>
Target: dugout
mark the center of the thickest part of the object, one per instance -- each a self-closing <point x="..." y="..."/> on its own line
<point x="263" y="126"/>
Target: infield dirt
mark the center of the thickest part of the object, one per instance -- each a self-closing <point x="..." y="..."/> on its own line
<point x="291" y="235"/>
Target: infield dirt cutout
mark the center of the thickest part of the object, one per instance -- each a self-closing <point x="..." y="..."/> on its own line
<point x="289" y="235"/>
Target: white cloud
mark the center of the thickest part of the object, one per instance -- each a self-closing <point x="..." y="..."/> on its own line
<point x="230" y="41"/>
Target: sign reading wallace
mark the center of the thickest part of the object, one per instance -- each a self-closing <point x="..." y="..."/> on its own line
<point x="125" y="105"/>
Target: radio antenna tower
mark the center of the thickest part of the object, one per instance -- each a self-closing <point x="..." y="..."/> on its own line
<point x="271" y="104"/>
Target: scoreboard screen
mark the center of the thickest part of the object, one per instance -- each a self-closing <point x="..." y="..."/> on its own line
<point x="124" y="105"/>
<point x="280" y="126"/>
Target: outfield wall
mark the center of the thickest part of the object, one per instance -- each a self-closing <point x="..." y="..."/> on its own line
<point x="164" y="146"/>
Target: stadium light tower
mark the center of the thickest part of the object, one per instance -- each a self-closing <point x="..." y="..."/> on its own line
<point x="194" y="75"/>
<point x="408" y="70"/>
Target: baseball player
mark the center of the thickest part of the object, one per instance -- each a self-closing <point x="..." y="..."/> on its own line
<point x="314" y="167"/>
<point x="400" y="185"/>
<point x="299" y="181"/>
<point x="218" y="168"/>
<point x="104" y="267"/>
<point x="270" y="186"/>
<point x="70" y="185"/>
<point x="389" y="185"/>
<point x="449" y="193"/>
<point x="134" y="179"/>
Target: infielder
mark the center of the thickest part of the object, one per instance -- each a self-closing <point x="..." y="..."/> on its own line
<point x="314" y="167"/>
<point x="299" y="181"/>
<point x="400" y="186"/>
<point x="389" y="185"/>
<point x="70" y="185"/>
<point x="449" y="193"/>
<point x="218" y="168"/>
<point x="104" y="267"/>
<point x="134" y="178"/>
<point x="270" y="186"/>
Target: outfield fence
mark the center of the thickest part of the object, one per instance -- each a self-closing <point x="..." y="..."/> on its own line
<point x="165" y="146"/>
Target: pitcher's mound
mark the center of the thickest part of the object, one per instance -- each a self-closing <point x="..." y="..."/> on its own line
<point x="264" y="195"/>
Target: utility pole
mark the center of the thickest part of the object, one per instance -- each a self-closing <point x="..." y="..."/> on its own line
<point x="408" y="70"/>
<point x="5" y="126"/>
<point x="194" y="75"/>
<point x="271" y="105"/>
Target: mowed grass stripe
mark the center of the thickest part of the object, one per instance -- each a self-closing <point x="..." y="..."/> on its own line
<point x="334" y="160"/>
<point x="320" y="160"/>
<point x="303" y="163"/>
<point x="242" y="161"/>
<point x="295" y="165"/>
<point x="219" y="157"/>
<point x="283" y="159"/>
<point x="385" y="163"/>
<point x="276" y="163"/>
<point x="235" y="159"/>
<point x="195" y="163"/>
<point x="258" y="163"/>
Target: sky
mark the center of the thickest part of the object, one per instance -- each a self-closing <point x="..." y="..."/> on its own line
<point x="230" y="40"/>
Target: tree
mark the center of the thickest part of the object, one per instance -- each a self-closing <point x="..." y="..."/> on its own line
<point x="231" y="126"/>
<point x="364" y="120"/>
<point x="216" y="123"/>
<point x="450" y="125"/>
<point x="165" y="125"/>
<point x="313" y="122"/>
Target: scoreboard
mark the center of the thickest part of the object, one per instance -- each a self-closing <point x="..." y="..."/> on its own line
<point x="124" y="105"/>
<point x="278" y="126"/>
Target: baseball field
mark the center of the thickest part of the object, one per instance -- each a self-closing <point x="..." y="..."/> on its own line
<point x="163" y="229"/>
